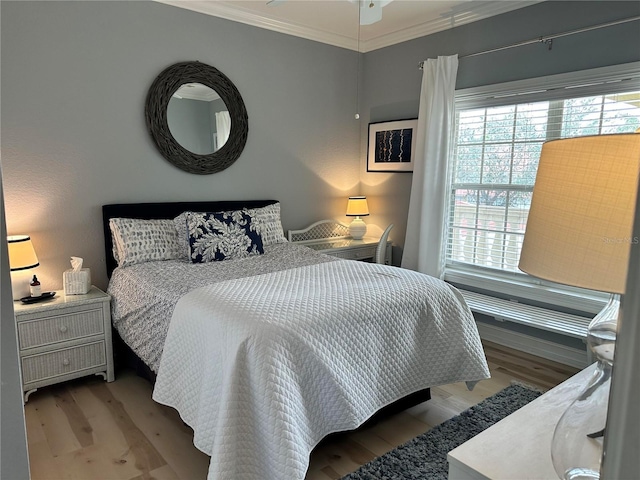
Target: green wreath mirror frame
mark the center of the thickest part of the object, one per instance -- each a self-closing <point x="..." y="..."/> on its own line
<point x="161" y="91"/>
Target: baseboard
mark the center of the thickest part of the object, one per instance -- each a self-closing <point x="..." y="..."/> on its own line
<point x="535" y="346"/>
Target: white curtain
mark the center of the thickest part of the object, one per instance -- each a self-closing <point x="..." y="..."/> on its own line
<point x="425" y="237"/>
<point x="223" y="127"/>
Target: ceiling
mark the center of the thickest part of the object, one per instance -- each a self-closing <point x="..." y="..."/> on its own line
<point x="336" y="22"/>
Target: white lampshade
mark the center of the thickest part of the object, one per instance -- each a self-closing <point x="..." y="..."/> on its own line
<point x="579" y="229"/>
<point x="22" y="255"/>
<point x="357" y="207"/>
<point x="22" y="258"/>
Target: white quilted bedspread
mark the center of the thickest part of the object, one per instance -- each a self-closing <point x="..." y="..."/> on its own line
<point x="263" y="367"/>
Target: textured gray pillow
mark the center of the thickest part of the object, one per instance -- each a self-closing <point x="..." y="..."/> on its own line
<point x="266" y="221"/>
<point x="138" y="241"/>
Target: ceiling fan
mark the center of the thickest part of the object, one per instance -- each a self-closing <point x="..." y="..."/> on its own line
<point x="370" y="10"/>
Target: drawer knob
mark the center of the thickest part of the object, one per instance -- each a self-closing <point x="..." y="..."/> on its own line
<point x="63" y="328"/>
<point x="66" y="362"/>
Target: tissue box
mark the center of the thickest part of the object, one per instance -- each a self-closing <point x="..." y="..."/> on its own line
<point x="76" y="283"/>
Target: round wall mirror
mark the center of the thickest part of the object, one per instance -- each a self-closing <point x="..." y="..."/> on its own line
<point x="196" y="118"/>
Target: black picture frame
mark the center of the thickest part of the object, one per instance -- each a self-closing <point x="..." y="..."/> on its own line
<point x="392" y="146"/>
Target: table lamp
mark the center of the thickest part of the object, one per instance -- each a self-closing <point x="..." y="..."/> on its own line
<point x="357" y="207"/>
<point x="579" y="233"/>
<point x="22" y="258"/>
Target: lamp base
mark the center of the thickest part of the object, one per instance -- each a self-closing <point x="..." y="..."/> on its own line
<point x="20" y="283"/>
<point x="581" y="474"/>
<point x="577" y="444"/>
<point x="357" y="228"/>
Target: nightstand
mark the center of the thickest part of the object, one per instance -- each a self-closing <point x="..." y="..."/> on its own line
<point x="332" y="238"/>
<point x="349" y="248"/>
<point x="64" y="338"/>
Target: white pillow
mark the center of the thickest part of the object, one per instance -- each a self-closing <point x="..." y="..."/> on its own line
<point x="266" y="221"/>
<point x="138" y="241"/>
<point x="114" y="247"/>
<point x="180" y="224"/>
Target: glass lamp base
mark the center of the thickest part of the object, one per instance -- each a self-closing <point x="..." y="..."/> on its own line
<point x="576" y="448"/>
<point x="581" y="474"/>
<point x="577" y="445"/>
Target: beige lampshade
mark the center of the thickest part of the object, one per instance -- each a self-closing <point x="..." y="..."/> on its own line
<point x="579" y="229"/>
<point x="357" y="207"/>
<point x="22" y="256"/>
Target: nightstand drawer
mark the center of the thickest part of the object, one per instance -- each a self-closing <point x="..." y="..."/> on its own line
<point x="355" y="253"/>
<point x="60" y="328"/>
<point x="61" y="362"/>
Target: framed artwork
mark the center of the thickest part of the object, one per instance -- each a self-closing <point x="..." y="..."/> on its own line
<point x="392" y="146"/>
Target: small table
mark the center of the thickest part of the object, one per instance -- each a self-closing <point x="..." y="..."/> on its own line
<point x="66" y="337"/>
<point x="518" y="446"/>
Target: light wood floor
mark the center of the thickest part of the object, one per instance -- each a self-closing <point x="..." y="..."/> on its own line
<point x="87" y="429"/>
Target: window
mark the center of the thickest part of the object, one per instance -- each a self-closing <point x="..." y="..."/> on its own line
<point x="497" y="146"/>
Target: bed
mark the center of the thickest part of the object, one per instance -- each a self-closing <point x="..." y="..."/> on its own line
<point x="266" y="353"/>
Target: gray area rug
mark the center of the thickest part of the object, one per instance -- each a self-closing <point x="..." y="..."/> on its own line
<point x="425" y="457"/>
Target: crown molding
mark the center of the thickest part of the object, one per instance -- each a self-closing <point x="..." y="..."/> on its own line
<point x="239" y="14"/>
<point x="463" y="14"/>
<point x="467" y="13"/>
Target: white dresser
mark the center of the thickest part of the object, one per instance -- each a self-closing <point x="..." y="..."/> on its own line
<point x="63" y="338"/>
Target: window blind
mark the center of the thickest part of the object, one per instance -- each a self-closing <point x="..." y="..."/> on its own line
<point x="498" y="138"/>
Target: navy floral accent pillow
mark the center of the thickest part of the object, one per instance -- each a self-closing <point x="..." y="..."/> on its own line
<point x="222" y="236"/>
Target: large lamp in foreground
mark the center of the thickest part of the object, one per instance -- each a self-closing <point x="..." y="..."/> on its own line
<point x="579" y="233"/>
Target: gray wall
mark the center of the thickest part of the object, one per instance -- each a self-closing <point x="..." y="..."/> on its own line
<point x="392" y="89"/>
<point x="623" y="418"/>
<point x="14" y="463"/>
<point x="74" y="80"/>
<point x="75" y="76"/>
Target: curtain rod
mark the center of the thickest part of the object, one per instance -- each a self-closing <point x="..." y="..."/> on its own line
<point x="548" y="39"/>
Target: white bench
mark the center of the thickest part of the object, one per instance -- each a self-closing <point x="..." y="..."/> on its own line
<point x="537" y="317"/>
